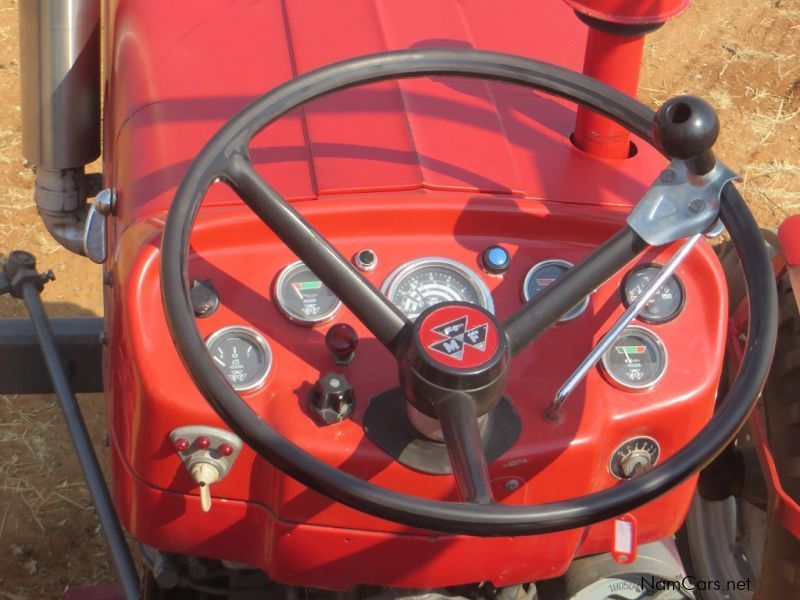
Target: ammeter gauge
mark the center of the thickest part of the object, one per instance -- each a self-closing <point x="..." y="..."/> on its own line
<point x="303" y="298"/>
<point x="636" y="360"/>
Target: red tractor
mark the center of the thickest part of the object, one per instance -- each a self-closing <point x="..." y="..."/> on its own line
<point x="403" y="300"/>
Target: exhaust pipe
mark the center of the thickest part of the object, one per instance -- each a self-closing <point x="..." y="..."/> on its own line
<point x="60" y="81"/>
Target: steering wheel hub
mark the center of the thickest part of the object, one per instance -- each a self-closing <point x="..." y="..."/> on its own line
<point x="455" y="348"/>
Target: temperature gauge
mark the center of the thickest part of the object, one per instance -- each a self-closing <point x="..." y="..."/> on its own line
<point x="544" y="274"/>
<point x="242" y="355"/>
<point x="303" y="298"/>
<point x="665" y="304"/>
<point x="636" y="360"/>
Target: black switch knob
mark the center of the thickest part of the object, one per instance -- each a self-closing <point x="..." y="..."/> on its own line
<point x="332" y="399"/>
<point x="686" y="127"/>
<point x="342" y="340"/>
<point x="205" y="299"/>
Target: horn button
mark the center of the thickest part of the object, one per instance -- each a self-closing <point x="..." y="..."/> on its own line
<point x="455" y="349"/>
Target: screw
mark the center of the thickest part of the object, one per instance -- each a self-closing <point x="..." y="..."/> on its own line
<point x="667" y="176"/>
<point x="697" y="205"/>
<point x="512" y="484"/>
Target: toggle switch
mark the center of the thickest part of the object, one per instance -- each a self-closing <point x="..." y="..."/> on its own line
<point x="204" y="474"/>
<point x="208" y="453"/>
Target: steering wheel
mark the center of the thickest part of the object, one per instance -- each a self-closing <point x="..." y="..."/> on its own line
<point x="455" y="395"/>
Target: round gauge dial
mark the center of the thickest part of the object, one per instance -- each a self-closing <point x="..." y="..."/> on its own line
<point x="303" y="298"/>
<point x="242" y="355"/>
<point x="665" y="304"/>
<point x="543" y="274"/>
<point x="422" y="283"/>
<point x="636" y="360"/>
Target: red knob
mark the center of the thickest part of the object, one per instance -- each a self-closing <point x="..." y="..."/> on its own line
<point x="226" y="449"/>
<point x="341" y="340"/>
<point x="203" y="442"/>
<point x="181" y="444"/>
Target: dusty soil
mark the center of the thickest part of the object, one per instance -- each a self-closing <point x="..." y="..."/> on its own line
<point x="744" y="56"/>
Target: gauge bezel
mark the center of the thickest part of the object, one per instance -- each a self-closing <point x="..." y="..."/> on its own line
<point x="628" y="441"/>
<point x="582" y="306"/>
<point x="623" y="384"/>
<point x="259" y="340"/>
<point x="280" y="299"/>
<point x="390" y="284"/>
<point x="650" y="320"/>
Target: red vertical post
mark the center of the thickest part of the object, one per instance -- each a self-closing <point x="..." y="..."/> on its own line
<point x="615" y="60"/>
<point x="614" y="56"/>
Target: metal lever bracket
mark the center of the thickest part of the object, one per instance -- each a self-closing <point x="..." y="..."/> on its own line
<point x="680" y="204"/>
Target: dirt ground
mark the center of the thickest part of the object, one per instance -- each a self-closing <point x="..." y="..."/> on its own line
<point x="743" y="56"/>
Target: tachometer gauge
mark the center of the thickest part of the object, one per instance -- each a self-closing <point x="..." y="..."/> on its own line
<point x="424" y="282"/>
<point x="303" y="298"/>
<point x="636" y="360"/>
<point x="242" y="355"/>
<point x="543" y="274"/>
<point x="665" y="304"/>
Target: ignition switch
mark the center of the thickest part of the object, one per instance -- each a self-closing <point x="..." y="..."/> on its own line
<point x="634" y="457"/>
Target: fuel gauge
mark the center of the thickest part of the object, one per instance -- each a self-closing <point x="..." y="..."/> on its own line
<point x="242" y="355"/>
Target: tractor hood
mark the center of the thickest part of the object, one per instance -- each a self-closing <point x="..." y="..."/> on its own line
<point x="178" y="70"/>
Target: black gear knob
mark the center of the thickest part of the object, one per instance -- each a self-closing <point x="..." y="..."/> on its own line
<point x="686" y="127"/>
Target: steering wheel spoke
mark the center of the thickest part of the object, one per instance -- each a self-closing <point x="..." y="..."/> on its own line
<point x="462" y="436"/>
<point x="547" y="307"/>
<point x="379" y="315"/>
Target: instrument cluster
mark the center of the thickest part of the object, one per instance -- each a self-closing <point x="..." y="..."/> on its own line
<point x="636" y="360"/>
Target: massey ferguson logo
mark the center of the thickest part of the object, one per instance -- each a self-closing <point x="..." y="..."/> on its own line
<point x="457" y="336"/>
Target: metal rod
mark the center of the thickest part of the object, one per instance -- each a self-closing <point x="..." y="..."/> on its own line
<point x="87" y="458"/>
<point x="553" y="411"/>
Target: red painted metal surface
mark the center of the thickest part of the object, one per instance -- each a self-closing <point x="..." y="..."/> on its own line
<point x="630" y="12"/>
<point x="421" y="167"/>
<point x="785" y="507"/>
<point x="789" y="237"/>
<point x="616" y="60"/>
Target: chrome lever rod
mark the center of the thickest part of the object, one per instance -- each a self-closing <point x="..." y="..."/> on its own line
<point x="553" y="412"/>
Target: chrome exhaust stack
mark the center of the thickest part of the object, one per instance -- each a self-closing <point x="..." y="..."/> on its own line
<point x="60" y="81"/>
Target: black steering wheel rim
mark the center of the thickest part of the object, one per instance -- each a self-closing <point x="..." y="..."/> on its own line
<point x="228" y="148"/>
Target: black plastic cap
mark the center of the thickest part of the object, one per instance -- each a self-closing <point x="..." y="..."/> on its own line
<point x="17" y="261"/>
<point x="686" y="127"/>
<point x="331" y="399"/>
<point x="204" y="297"/>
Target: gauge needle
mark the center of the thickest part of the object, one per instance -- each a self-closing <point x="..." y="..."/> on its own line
<point x="627" y="358"/>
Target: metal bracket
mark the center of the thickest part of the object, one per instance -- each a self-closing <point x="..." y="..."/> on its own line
<point x="95" y="232"/>
<point x="680" y="204"/>
<point x="196" y="452"/>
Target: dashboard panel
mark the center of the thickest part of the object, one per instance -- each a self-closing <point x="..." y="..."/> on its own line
<point x="654" y="390"/>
